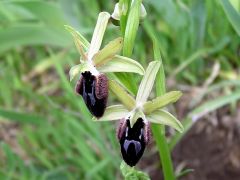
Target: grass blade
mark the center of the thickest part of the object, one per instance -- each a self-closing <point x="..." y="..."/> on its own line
<point x="232" y="14"/>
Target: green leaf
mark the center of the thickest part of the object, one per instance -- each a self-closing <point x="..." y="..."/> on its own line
<point x="47" y="12"/>
<point x="165" y="118"/>
<point x="21" y="116"/>
<point x="161" y="101"/>
<point x="98" y="33"/>
<point x="108" y="52"/>
<point x="34" y="34"/>
<point x="184" y="172"/>
<point x="77" y="69"/>
<point x="131" y="27"/>
<point x="213" y="105"/>
<point x="147" y="82"/>
<point x="81" y="43"/>
<point x="232" y="14"/>
<point x="122" y="64"/>
<point x="127" y="100"/>
<point x="115" y="112"/>
<point x="130" y="173"/>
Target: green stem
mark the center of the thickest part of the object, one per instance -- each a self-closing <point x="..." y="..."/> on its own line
<point x="159" y="130"/>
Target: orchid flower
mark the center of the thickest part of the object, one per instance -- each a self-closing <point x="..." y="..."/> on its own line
<point x="135" y="115"/>
<point x="93" y="83"/>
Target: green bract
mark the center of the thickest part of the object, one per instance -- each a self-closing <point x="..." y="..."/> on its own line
<point x="105" y="60"/>
<point x="148" y="110"/>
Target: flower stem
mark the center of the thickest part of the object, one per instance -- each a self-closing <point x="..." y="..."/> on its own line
<point x="159" y="130"/>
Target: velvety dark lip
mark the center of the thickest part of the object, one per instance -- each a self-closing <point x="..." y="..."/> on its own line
<point x="94" y="90"/>
<point x="132" y="140"/>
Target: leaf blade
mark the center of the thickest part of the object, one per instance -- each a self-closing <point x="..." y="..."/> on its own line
<point x="232" y="14"/>
<point x="214" y="104"/>
<point x="21" y="116"/>
<point x="131" y="27"/>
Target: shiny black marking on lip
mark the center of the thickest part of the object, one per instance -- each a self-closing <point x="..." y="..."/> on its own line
<point x="133" y="140"/>
<point x="94" y="90"/>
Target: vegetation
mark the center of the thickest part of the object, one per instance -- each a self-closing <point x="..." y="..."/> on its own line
<point x="56" y="137"/>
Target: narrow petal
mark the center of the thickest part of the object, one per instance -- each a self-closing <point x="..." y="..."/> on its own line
<point x="98" y="33"/>
<point x="122" y="64"/>
<point x="81" y="43"/>
<point x="165" y="118"/>
<point x="115" y="112"/>
<point x="127" y="100"/>
<point x="108" y="52"/>
<point x="147" y="81"/>
<point x="161" y="101"/>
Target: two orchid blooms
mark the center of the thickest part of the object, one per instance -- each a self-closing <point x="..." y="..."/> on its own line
<point x="135" y="114"/>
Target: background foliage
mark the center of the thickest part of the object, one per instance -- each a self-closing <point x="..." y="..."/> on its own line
<point x="55" y="137"/>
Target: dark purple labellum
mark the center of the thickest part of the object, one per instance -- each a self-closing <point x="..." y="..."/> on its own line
<point x="133" y="140"/>
<point x="94" y="90"/>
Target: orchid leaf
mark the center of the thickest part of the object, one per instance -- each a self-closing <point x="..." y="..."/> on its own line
<point x="122" y="64"/>
<point x="111" y="113"/>
<point x="147" y="81"/>
<point x="131" y="27"/>
<point x="98" y="33"/>
<point x="163" y="117"/>
<point x="161" y="101"/>
<point x="81" y="43"/>
<point x="77" y="69"/>
<point x="127" y="100"/>
<point x="232" y="14"/>
<point x="108" y="52"/>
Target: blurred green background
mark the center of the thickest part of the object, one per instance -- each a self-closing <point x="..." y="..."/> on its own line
<point x="46" y="131"/>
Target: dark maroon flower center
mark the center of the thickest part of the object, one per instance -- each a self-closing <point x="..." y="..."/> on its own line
<point x="94" y="91"/>
<point x="132" y="142"/>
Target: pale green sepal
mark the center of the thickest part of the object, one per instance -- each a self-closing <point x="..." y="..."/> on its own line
<point x="112" y="113"/>
<point x="147" y="81"/>
<point x="126" y="99"/>
<point x="161" y="101"/>
<point x="81" y="43"/>
<point x="163" y="117"/>
<point x="77" y="69"/>
<point x="108" y="52"/>
<point x="98" y="33"/>
<point x="122" y="64"/>
<point x="135" y="115"/>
